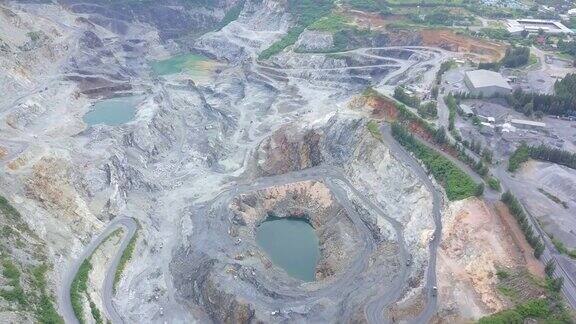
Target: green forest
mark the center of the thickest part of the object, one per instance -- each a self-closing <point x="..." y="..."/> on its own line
<point x="541" y="152"/>
<point x="562" y="102"/>
<point x="457" y="183"/>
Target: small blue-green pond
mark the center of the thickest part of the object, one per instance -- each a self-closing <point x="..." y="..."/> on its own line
<point x="112" y="112"/>
<point x="291" y="244"/>
<point x="192" y="63"/>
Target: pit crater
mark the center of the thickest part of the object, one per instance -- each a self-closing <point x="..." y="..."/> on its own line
<point x="306" y="200"/>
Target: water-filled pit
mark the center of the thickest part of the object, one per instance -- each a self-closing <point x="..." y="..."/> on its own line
<point x="292" y="244"/>
<point x="192" y="64"/>
<point x="112" y="112"/>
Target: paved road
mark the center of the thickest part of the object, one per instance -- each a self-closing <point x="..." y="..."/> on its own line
<point x="65" y="306"/>
<point x="402" y="155"/>
<point x="550" y="251"/>
<point x="507" y="183"/>
<point x="347" y="281"/>
<point x="374" y="310"/>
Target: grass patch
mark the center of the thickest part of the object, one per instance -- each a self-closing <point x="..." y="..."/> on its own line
<point x="508" y="292"/>
<point x="533" y="59"/>
<point x="15" y="293"/>
<point x="502" y="274"/>
<point x="553" y="198"/>
<point x="430" y="134"/>
<point x="374" y="129"/>
<point x="79" y="287"/>
<point x="563" y="249"/>
<point x="124" y="259"/>
<point x="289" y="39"/>
<point x="369" y="5"/>
<point x="306" y="13"/>
<point x="232" y="14"/>
<point x="544" y="310"/>
<point x="45" y="311"/>
<point x="26" y="284"/>
<point x="521" y="155"/>
<point x="8" y="210"/>
<point x="494" y="184"/>
<point x="452" y="110"/>
<point x="331" y="23"/>
<point x="423" y="2"/>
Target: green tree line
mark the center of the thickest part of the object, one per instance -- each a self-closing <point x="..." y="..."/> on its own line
<point x="540" y="152"/>
<point x="457" y="184"/>
<point x="515" y="57"/>
<point x="518" y="213"/>
<point x="562" y="102"/>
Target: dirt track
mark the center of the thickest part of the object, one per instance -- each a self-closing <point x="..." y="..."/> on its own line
<point x="475" y="245"/>
<point x="477" y="49"/>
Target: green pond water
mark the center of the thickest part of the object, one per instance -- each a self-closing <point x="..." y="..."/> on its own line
<point x="191" y="63"/>
<point x="112" y="112"/>
<point x="291" y="244"/>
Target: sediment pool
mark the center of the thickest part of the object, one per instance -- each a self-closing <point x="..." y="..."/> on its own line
<point x="112" y="112"/>
<point x="291" y="244"/>
<point x="191" y="63"/>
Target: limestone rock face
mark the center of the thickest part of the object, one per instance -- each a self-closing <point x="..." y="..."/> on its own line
<point x="311" y="40"/>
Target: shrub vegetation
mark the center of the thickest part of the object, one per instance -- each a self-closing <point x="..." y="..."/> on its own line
<point x="306" y="12"/>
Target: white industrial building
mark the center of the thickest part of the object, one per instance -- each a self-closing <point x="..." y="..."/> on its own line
<point x="534" y="26"/>
<point x="467" y="110"/>
<point x="487" y="83"/>
<point x="527" y="124"/>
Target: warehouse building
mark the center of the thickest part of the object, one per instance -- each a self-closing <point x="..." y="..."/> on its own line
<point x="534" y="26"/>
<point x="486" y="83"/>
<point x="527" y="124"/>
<point x="467" y="110"/>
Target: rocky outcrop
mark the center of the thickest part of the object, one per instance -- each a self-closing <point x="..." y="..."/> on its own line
<point x="358" y="245"/>
<point x="309" y="200"/>
<point x="260" y="24"/>
<point x="287" y="150"/>
<point x="173" y="19"/>
<point x="50" y="184"/>
<point x="310" y="41"/>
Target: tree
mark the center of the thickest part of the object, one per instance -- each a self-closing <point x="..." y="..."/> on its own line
<point x="550" y="267"/>
<point x="401" y="95"/>
<point x="555" y="284"/>
<point x="440" y="135"/>
<point x="480" y="190"/>
<point x="538" y="249"/>
<point x="529" y="109"/>
<point x="487" y="155"/>
<point x="539" y="115"/>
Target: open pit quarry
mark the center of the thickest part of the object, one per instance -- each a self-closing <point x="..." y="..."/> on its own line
<point x="207" y="157"/>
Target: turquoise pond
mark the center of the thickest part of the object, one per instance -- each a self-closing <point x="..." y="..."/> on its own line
<point x="112" y="112"/>
<point x="190" y="63"/>
<point x="291" y="244"/>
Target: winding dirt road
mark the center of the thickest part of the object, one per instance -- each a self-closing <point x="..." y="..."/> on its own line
<point x="129" y="226"/>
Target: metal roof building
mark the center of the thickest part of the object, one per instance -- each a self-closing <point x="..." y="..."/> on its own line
<point x="467" y="110"/>
<point x="516" y="26"/>
<point x="486" y="83"/>
<point x="522" y="123"/>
